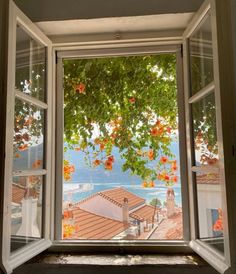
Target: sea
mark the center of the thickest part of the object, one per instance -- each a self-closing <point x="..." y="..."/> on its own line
<point x="87" y="180"/>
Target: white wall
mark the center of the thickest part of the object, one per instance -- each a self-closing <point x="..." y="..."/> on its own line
<point x="209" y="197"/>
<point x="102" y="207"/>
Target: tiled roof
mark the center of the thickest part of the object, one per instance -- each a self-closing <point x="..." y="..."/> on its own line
<point x="18" y="193"/>
<point x="95" y="227"/>
<point x="144" y="213"/>
<point x="116" y="196"/>
<point x="210" y="178"/>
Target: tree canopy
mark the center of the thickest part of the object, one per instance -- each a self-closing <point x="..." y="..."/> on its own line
<point x="127" y="102"/>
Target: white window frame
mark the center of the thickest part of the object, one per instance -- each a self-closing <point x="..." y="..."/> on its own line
<point x="225" y="121"/>
<point x="119" y="48"/>
<point x="11" y="260"/>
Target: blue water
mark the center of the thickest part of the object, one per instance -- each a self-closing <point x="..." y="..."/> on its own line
<point x="101" y="179"/>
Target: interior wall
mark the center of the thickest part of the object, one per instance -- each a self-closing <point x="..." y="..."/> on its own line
<point x="233" y="18"/>
<point x="52" y="10"/>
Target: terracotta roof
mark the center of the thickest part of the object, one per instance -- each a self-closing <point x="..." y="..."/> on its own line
<point x="210" y="178"/>
<point x="116" y="196"/>
<point x="95" y="227"/>
<point x="18" y="193"/>
<point x="144" y="213"/>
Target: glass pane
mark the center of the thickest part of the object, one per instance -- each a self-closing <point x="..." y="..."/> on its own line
<point x="204" y="128"/>
<point x="209" y="202"/>
<point x="30" y="65"/>
<point x="28" y="139"/>
<point x="201" y="56"/>
<point x="121" y="161"/>
<point x="26" y="210"/>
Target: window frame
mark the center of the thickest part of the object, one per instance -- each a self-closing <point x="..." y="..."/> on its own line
<point x="118" y="48"/>
<point x="11" y="260"/>
<point x="222" y="80"/>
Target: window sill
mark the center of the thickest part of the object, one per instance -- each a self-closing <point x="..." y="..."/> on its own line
<point x="70" y="263"/>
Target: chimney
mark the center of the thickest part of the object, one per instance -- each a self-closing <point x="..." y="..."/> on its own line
<point x="125" y="211"/>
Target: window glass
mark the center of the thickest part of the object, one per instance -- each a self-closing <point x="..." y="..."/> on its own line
<point x="204" y="128"/>
<point x="28" y="136"/>
<point x="121" y="160"/>
<point x="26" y="210"/>
<point x="210" y="215"/>
<point x="30" y="65"/>
<point x="201" y="56"/>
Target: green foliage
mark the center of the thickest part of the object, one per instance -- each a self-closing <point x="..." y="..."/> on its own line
<point x="156" y="202"/>
<point x="121" y="98"/>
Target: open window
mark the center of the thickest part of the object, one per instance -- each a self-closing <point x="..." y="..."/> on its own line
<point x="32" y="223"/>
<point x="207" y="101"/>
<point x="28" y="150"/>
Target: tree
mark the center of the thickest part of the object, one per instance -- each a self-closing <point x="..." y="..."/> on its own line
<point x="156" y="202"/>
<point x="126" y="102"/>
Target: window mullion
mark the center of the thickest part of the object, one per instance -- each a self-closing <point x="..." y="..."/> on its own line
<point x="20" y="95"/>
<point x="202" y="93"/>
<point x="29" y="172"/>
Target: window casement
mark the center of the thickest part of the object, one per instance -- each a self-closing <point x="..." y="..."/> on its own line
<point x="206" y="128"/>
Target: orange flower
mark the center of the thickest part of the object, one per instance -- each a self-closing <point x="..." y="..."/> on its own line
<point x="23" y="147"/>
<point x="28" y="121"/>
<point x="111" y="159"/>
<point x="37" y="163"/>
<point x="218" y="225"/>
<point x="132" y="100"/>
<point x="163" y="160"/>
<point x="154" y="132"/>
<point x="168" y="129"/>
<point x="167" y="178"/>
<point x="108" y="165"/>
<point x="80" y="88"/>
<point x="17" y="155"/>
<point x="151" y="154"/>
<point x="97" y="141"/>
<point x="96" y="162"/>
<point x="160" y="177"/>
<point x="102" y="146"/>
<point x="77" y="148"/>
<point x="175" y="179"/>
<point x="67" y="177"/>
<point x="72" y="168"/>
<point x="151" y="184"/>
<point x="174" y="168"/>
<point x="113" y="136"/>
<point x="145" y="184"/>
<point x="66" y="169"/>
<point x="26" y="137"/>
<point x="158" y="122"/>
<point x="66" y="214"/>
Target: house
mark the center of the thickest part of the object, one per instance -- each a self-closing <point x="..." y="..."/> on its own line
<point x="119" y="205"/>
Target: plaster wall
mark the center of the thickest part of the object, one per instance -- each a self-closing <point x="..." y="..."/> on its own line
<point x="102" y="207"/>
<point x="45" y="10"/>
<point x="209" y="197"/>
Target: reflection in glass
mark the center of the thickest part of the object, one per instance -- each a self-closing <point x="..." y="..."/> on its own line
<point x="204" y="129"/>
<point x="26" y="210"/>
<point x="201" y="56"/>
<point x="30" y="65"/>
<point x="209" y="202"/>
<point x="28" y="136"/>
